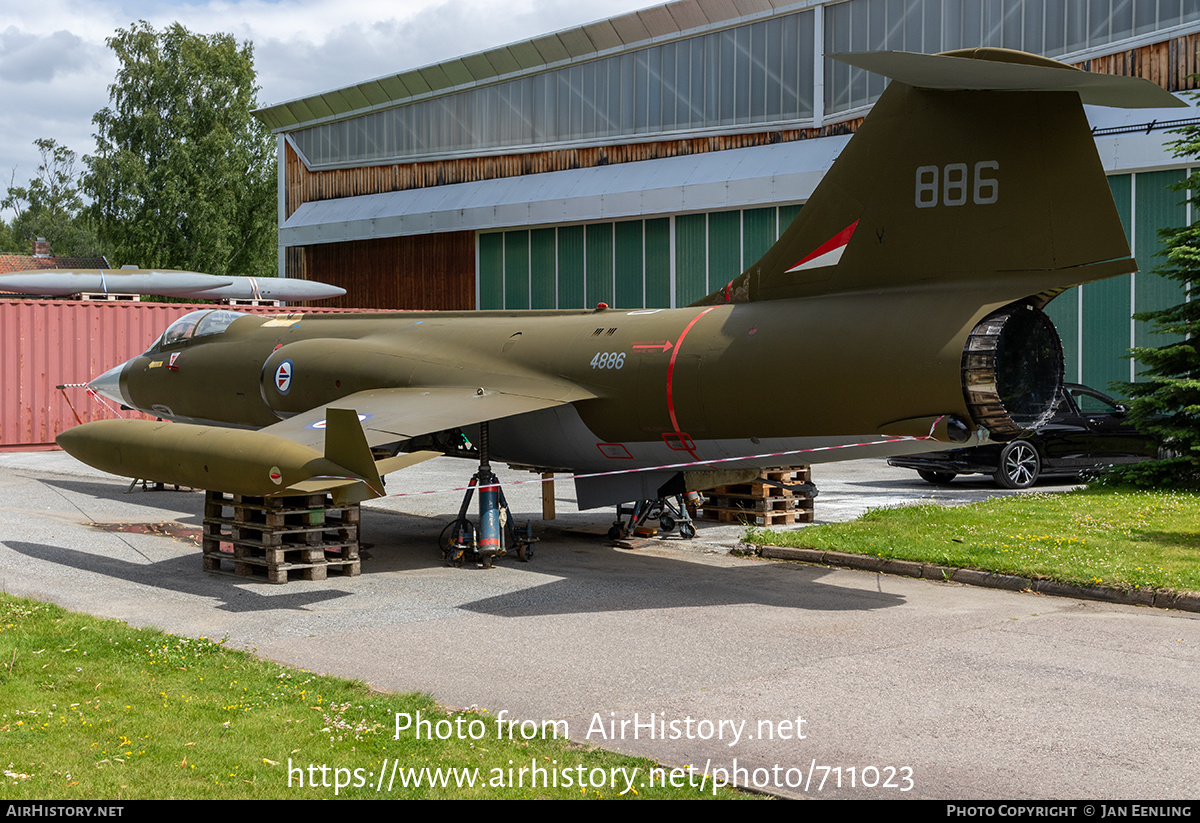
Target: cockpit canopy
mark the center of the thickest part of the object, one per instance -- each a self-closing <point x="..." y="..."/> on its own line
<point x="201" y="323"/>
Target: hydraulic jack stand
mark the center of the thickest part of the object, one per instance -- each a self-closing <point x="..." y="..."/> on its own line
<point x="497" y="534"/>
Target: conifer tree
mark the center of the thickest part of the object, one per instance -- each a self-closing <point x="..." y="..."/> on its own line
<point x="1166" y="399"/>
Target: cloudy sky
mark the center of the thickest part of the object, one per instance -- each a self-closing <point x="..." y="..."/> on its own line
<point x="55" y="68"/>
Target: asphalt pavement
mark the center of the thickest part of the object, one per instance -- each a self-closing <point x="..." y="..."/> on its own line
<point x="793" y="678"/>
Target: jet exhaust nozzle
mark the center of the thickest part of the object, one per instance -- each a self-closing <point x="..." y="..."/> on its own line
<point x="1012" y="371"/>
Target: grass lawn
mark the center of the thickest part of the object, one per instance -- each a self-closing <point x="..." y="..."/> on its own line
<point x="1122" y="539"/>
<point x="95" y="709"/>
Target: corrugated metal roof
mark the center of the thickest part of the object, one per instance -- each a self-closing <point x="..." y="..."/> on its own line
<point x="551" y="49"/>
<point x="480" y="64"/>
<point x="355" y="96"/>
<point x="603" y="36"/>
<point x="516" y="57"/>
<point x="751" y="6"/>
<point x="688" y="14"/>
<point x="738" y="178"/>
<point x="1144" y="148"/>
<point x="580" y="43"/>
<point x="658" y="21"/>
<point x="457" y="72"/>
<point x="631" y="28"/>
<point x="375" y="93"/>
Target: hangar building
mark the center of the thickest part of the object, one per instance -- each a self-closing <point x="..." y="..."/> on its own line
<point x="646" y="159"/>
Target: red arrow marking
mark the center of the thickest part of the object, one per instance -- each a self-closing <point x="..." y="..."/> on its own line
<point x="661" y="346"/>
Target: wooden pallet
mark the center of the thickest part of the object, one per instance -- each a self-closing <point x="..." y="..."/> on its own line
<point x="108" y="298"/>
<point x="303" y="537"/>
<point x="760" y="503"/>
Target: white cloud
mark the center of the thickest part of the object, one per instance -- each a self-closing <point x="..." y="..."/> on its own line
<point x="55" y="67"/>
<point x="26" y="57"/>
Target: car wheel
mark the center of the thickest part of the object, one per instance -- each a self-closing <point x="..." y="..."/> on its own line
<point x="1019" y="466"/>
<point x="936" y="478"/>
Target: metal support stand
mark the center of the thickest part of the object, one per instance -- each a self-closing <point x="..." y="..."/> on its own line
<point x="497" y="533"/>
<point x="148" y="485"/>
<point x="668" y="511"/>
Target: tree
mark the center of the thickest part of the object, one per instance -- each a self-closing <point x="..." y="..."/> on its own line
<point x="184" y="176"/>
<point x="51" y="206"/>
<point x="1166" y="400"/>
<point x="9" y="242"/>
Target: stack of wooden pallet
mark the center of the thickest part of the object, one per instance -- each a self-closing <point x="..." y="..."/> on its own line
<point x="761" y="503"/>
<point x="303" y="537"/>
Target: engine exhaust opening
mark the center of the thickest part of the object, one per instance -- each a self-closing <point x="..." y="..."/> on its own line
<point x="1012" y="371"/>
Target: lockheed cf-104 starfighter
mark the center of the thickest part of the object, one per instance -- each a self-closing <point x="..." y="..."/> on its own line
<point x="900" y="312"/>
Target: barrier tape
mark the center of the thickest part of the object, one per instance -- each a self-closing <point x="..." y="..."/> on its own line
<point x="90" y="393"/>
<point x="589" y="475"/>
<point x="904" y="439"/>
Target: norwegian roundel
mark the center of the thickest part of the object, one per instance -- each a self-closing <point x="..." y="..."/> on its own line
<point x="283" y="377"/>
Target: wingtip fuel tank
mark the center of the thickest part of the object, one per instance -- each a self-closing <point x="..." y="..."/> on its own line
<point x="239" y="461"/>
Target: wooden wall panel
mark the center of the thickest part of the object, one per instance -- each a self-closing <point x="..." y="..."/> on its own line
<point x="1171" y="64"/>
<point x="304" y="186"/>
<point x="432" y="271"/>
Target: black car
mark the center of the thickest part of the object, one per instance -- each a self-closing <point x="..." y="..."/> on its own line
<point x="1088" y="431"/>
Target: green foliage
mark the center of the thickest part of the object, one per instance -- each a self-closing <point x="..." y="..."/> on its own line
<point x="50" y="206"/>
<point x="10" y="241"/>
<point x="96" y="709"/>
<point x="184" y="176"/>
<point x="1166" y="400"/>
<point x="1092" y="537"/>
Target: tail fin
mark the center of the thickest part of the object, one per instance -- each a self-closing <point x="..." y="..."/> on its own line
<point x="976" y="167"/>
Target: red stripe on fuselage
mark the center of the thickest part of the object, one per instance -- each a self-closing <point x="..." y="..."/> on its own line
<point x="671" y="379"/>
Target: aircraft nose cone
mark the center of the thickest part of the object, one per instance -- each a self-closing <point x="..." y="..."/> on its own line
<point x="109" y="385"/>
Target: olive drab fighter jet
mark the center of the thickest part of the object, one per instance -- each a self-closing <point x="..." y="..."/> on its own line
<point x="900" y="312"/>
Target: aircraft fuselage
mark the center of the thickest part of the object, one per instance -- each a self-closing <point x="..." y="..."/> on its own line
<point x="663" y="380"/>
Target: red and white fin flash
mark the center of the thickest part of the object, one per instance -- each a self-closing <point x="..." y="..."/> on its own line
<point x="829" y="252"/>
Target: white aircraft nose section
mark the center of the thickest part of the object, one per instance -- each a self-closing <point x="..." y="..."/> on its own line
<point x="109" y="385"/>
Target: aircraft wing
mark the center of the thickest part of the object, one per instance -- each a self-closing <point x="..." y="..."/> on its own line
<point x="389" y="415"/>
<point x="324" y="449"/>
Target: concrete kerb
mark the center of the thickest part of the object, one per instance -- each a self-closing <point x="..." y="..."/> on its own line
<point x="1156" y="598"/>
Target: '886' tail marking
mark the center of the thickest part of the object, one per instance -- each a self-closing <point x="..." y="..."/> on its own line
<point x="950" y="184"/>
